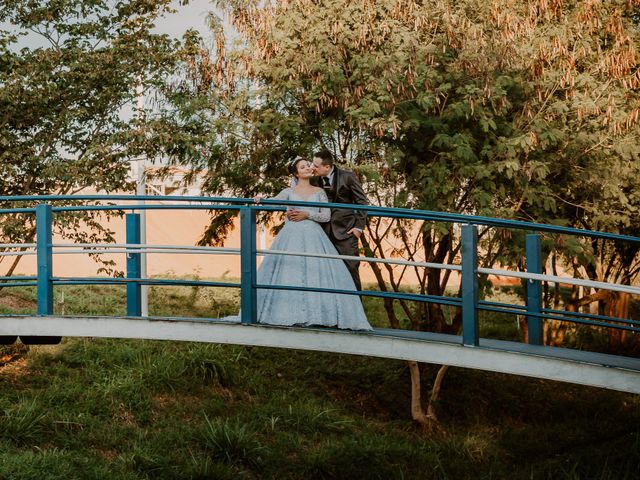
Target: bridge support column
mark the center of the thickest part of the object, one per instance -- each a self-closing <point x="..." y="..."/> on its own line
<point x="470" y="329"/>
<point x="534" y="290"/>
<point x="134" y="267"/>
<point x="248" y="265"/>
<point x="44" y="224"/>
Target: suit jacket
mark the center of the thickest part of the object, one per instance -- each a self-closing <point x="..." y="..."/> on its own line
<point x="345" y="189"/>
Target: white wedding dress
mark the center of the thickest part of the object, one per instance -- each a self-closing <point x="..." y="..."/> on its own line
<point x="291" y="307"/>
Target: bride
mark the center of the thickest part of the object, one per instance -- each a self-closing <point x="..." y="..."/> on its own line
<point x="302" y="233"/>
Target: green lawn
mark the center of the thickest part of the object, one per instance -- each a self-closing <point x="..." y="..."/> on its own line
<point x="122" y="409"/>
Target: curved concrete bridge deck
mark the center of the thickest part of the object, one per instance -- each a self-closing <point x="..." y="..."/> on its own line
<point x="552" y="363"/>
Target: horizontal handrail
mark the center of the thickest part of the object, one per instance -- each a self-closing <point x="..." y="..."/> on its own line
<point x="142" y="281"/>
<point x="617" y="287"/>
<point x="392" y="261"/>
<point x="392" y="212"/>
<point x="90" y="251"/>
<point x="594" y="316"/>
<point x="134" y="207"/>
<point x="122" y="197"/>
<point x="549" y="313"/>
<point x="18" y="284"/>
<point x="4" y="211"/>
<point x="136" y="246"/>
<point x="108" y="248"/>
<point x="546" y="316"/>
<point x="452" y="301"/>
<point x="229" y="251"/>
<point x="150" y="248"/>
<point x="456" y="218"/>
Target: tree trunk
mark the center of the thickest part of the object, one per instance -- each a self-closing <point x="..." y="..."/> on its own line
<point x="377" y="271"/>
<point x="435" y="392"/>
<point x="442" y="248"/>
<point x="428" y="420"/>
<point x="617" y="305"/>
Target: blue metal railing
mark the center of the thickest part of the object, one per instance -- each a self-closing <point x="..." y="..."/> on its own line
<point x="468" y="302"/>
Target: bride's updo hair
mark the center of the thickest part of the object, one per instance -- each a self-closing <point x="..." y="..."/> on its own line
<point x="293" y="165"/>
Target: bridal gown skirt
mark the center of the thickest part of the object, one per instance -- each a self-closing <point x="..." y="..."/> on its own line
<point x="287" y="307"/>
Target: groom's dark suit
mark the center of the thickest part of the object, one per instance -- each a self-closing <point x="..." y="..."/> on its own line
<point x="345" y="188"/>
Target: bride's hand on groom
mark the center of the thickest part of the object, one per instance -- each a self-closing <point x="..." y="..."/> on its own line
<point x="355" y="232"/>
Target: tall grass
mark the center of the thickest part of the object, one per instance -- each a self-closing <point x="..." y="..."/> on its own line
<point x="23" y="422"/>
<point x="123" y="409"/>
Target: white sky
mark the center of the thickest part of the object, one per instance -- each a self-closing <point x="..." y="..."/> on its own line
<point x="188" y="16"/>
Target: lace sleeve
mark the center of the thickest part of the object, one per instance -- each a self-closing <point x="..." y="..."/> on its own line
<point x="283" y="195"/>
<point x="323" y="214"/>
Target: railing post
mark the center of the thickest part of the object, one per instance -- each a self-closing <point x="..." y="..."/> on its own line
<point x="248" y="265"/>
<point x="534" y="290"/>
<point x="44" y="220"/>
<point x="470" y="334"/>
<point x="44" y="225"/>
<point x="134" y="267"/>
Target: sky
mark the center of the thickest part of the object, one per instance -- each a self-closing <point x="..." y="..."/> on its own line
<point x="188" y="16"/>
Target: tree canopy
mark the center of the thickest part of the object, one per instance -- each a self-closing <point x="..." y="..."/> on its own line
<point x="512" y="110"/>
<point x="484" y="106"/>
<point x="70" y="72"/>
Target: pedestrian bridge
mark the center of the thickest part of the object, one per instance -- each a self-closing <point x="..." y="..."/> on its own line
<point x="468" y="349"/>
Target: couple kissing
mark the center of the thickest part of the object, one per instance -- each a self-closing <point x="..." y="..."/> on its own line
<point x="313" y="231"/>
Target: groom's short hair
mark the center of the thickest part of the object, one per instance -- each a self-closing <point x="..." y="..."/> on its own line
<point x="325" y="156"/>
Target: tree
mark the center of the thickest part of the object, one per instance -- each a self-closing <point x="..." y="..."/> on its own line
<point x="467" y="106"/>
<point x="70" y="70"/>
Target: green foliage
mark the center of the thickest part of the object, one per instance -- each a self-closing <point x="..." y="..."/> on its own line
<point x="469" y="103"/>
<point x="232" y="442"/>
<point x="23" y="423"/>
<point x="69" y="74"/>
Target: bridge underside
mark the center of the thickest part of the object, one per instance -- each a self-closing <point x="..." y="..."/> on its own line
<point x="586" y="368"/>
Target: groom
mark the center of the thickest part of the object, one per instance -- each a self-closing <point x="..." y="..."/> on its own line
<point x="346" y="226"/>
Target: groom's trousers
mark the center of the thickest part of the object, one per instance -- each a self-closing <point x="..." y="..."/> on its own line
<point x="349" y="246"/>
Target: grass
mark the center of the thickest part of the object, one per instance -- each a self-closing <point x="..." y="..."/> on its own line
<point x="99" y="300"/>
<point x="122" y="409"/>
<point x="23" y="422"/>
<point x="232" y="442"/>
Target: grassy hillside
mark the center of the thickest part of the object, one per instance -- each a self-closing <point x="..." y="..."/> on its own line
<point x="120" y="409"/>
